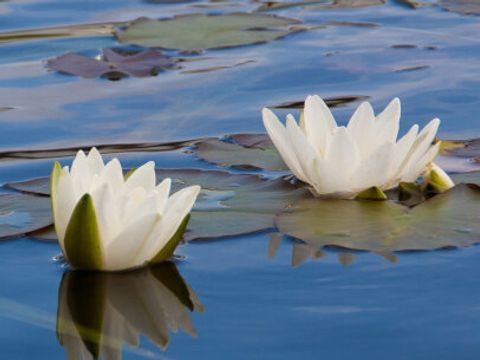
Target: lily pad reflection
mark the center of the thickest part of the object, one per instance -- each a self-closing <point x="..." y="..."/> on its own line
<point x="100" y="312"/>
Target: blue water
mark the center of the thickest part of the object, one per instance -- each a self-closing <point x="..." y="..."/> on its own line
<point x="424" y="306"/>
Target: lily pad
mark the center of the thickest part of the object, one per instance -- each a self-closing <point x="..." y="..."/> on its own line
<point x="331" y="102"/>
<point x="113" y="65"/>
<point x="463" y="148"/>
<point x="261" y="154"/>
<point x="464" y="7"/>
<point x="451" y="219"/>
<point x="23" y="213"/>
<point x="198" y="31"/>
<point x="81" y="30"/>
<point x="228" y="205"/>
<point x="232" y="204"/>
<point x="340" y="4"/>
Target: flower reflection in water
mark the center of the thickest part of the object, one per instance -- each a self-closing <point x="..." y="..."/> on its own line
<point x="99" y="312"/>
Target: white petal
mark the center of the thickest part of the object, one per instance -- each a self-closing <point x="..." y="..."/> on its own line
<point x="113" y="175"/>
<point x="162" y="192"/>
<point x="402" y="149"/>
<point x="362" y="128"/>
<point x="64" y="203"/>
<point x="319" y="123"/>
<point x="388" y="122"/>
<point x="417" y="168"/>
<point x="374" y="170"/>
<point x="423" y="142"/>
<point x="95" y="161"/>
<point x="121" y="250"/>
<point x="80" y="172"/>
<point x="107" y="213"/>
<point x="304" y="152"/>
<point x="178" y="207"/>
<point x="278" y="135"/>
<point x="143" y="176"/>
<point x="343" y="153"/>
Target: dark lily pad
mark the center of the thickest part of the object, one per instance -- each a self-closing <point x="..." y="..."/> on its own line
<point x="464" y="148"/>
<point x="451" y="219"/>
<point x="229" y="204"/>
<point x="198" y="31"/>
<point x="340" y="4"/>
<point x="38" y="186"/>
<point x="81" y="30"/>
<point x="49" y="153"/>
<point x="464" y="7"/>
<point x="23" y="213"/>
<point x="241" y="151"/>
<point x="232" y="204"/>
<point x="113" y="65"/>
<point x="332" y="102"/>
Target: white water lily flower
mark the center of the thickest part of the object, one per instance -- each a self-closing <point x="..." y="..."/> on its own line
<point x="343" y="161"/>
<point x="107" y="222"/>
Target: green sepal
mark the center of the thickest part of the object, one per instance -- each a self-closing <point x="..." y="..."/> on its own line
<point x="82" y="237"/>
<point x="167" y="251"/>
<point x="436" y="184"/>
<point x="373" y="193"/>
<point x="129" y="173"/>
<point x="54" y="177"/>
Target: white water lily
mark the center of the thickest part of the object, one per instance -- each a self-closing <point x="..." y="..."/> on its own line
<point x="343" y="161"/>
<point x="105" y="221"/>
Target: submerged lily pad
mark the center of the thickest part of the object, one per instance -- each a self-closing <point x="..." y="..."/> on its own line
<point x="198" y="31"/>
<point x="113" y="65"/>
<point x="23" y="213"/>
<point x="451" y="219"/>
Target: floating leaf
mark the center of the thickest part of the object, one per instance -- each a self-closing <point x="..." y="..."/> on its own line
<point x="340" y="4"/>
<point x="332" y="102"/>
<point x="227" y="153"/>
<point x="232" y="204"/>
<point x="228" y="205"/>
<point x="113" y="64"/>
<point x="464" y="7"/>
<point x="463" y="148"/>
<point x="81" y="30"/>
<point x="198" y="31"/>
<point x="104" y="148"/>
<point x="23" y="213"/>
<point x="451" y="219"/>
<point x="38" y="186"/>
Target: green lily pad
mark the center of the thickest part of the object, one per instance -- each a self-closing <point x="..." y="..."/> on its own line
<point x="23" y="213"/>
<point x="228" y="205"/>
<point x="450" y="219"/>
<point x="232" y="204"/>
<point x="198" y="31"/>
